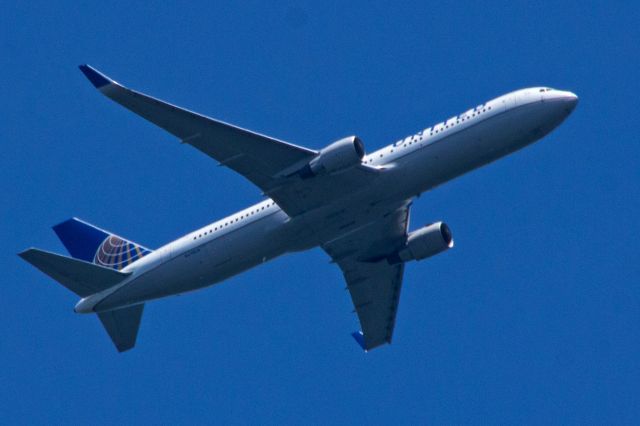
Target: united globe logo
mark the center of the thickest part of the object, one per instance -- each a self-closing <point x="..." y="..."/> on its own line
<point x="117" y="253"/>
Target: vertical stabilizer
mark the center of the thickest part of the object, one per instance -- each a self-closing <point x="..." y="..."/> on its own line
<point x="92" y="244"/>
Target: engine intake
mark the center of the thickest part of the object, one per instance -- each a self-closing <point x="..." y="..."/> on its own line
<point x="338" y="156"/>
<point x="425" y="242"/>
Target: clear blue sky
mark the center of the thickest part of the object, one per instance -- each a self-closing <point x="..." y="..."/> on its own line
<point x="533" y="317"/>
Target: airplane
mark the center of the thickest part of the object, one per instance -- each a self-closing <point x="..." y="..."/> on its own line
<point x="354" y="205"/>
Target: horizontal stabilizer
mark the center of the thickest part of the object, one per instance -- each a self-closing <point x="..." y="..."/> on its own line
<point x="82" y="278"/>
<point x="122" y="326"/>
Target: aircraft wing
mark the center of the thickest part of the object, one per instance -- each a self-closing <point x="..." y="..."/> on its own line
<point x="373" y="283"/>
<point x="265" y="161"/>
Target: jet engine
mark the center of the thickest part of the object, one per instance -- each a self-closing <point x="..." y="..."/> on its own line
<point x="425" y="242"/>
<point x="340" y="155"/>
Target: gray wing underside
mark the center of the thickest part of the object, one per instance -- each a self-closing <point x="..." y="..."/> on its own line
<point x="265" y="161"/>
<point x="373" y="283"/>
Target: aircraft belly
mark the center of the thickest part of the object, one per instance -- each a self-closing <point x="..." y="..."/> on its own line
<point x="205" y="265"/>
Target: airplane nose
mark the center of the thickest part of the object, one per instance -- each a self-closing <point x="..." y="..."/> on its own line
<point x="570" y="99"/>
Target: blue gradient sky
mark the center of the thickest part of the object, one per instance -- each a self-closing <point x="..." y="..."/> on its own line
<point x="532" y="318"/>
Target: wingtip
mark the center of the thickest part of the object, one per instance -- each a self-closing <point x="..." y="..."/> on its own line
<point x="24" y="253"/>
<point x="358" y="336"/>
<point x="94" y="76"/>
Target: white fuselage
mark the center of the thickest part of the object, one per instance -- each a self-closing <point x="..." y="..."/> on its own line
<point x="411" y="166"/>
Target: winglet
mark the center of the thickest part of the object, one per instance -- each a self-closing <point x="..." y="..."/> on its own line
<point x="95" y="77"/>
<point x="359" y="338"/>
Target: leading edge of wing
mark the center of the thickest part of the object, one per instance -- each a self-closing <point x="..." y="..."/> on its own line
<point x="101" y="81"/>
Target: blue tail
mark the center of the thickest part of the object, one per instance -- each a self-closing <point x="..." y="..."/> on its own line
<point x="91" y="244"/>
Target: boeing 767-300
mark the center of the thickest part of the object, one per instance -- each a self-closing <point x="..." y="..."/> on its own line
<point x="353" y="205"/>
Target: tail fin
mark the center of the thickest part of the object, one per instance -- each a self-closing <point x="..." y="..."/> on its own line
<point x="92" y="244"/>
<point x="122" y="326"/>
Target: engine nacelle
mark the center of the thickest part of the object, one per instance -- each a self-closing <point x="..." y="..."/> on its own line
<point x="425" y="242"/>
<point x="340" y="155"/>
